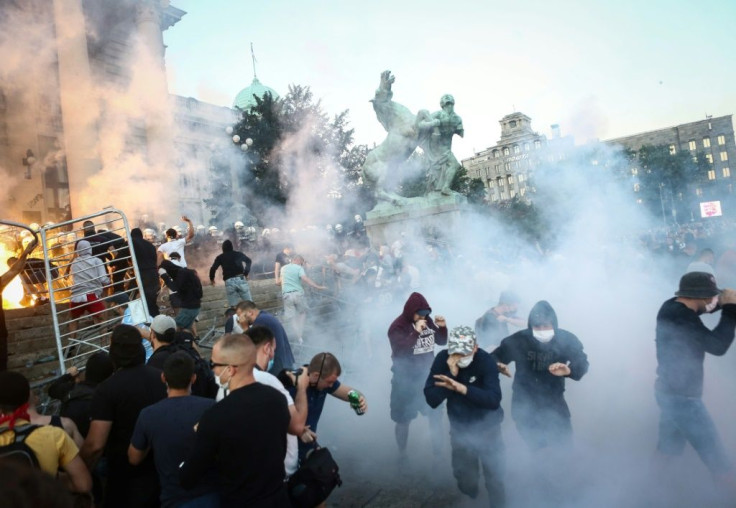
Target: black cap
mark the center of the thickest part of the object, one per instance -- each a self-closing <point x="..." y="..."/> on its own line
<point x="424" y="312"/>
<point x="698" y="285"/>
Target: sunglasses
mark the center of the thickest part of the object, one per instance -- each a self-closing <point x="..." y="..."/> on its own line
<point x="214" y="364"/>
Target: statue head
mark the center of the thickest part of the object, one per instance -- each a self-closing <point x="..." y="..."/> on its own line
<point x="447" y="99"/>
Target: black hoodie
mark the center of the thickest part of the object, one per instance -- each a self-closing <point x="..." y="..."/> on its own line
<point x="233" y="262"/>
<point x="185" y="283"/>
<point x="533" y="383"/>
<point x="408" y="344"/>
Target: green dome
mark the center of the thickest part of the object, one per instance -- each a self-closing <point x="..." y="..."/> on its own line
<point x="244" y="99"/>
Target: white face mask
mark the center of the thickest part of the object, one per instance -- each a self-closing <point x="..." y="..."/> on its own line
<point x="712" y="305"/>
<point x="220" y="383"/>
<point x="543" y="336"/>
<point x="465" y="361"/>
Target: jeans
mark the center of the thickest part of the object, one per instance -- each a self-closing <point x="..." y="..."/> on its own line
<point x="237" y="290"/>
<point x="685" y="419"/>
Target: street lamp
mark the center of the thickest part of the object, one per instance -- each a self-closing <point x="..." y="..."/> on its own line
<point x="28" y="161"/>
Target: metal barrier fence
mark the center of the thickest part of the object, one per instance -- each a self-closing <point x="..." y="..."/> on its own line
<point x="85" y="304"/>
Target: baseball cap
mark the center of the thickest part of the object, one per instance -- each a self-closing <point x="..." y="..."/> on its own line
<point x="161" y="323"/>
<point x="461" y="340"/>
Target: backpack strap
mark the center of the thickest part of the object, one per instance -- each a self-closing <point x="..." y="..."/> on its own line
<point x="23" y="431"/>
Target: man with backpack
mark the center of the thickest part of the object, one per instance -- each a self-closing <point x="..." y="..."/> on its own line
<point x="188" y="289"/>
<point x="166" y="341"/>
<point x="44" y="447"/>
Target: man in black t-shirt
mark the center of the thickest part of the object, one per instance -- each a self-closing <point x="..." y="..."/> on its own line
<point x="283" y="258"/>
<point x="116" y="405"/>
<point x="242" y="436"/>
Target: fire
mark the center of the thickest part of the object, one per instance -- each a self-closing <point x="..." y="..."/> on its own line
<point x="13" y="292"/>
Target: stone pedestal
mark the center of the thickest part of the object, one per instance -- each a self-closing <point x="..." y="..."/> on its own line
<point x="418" y="217"/>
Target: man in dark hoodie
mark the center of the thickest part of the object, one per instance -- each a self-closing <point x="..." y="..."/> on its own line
<point x="146" y="258"/>
<point x="545" y="355"/>
<point x="185" y="283"/>
<point x="468" y="378"/>
<point x="682" y="341"/>
<point x="235" y="269"/>
<point x="413" y="336"/>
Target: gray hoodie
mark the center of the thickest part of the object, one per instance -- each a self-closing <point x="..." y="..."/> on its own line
<point x="88" y="273"/>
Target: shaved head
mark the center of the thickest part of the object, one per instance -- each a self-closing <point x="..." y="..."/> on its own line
<point x="235" y="349"/>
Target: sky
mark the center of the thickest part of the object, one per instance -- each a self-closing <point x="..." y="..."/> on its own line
<point x="599" y="69"/>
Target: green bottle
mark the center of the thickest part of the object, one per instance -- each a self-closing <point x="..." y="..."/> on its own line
<point x="354" y="399"/>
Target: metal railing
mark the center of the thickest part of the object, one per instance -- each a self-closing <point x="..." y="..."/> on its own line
<point x="122" y="293"/>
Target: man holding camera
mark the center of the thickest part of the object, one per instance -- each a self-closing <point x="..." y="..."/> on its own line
<point x="682" y="341"/>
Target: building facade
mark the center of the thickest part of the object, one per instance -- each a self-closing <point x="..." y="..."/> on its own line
<point x="506" y="167"/>
<point x="711" y="137"/>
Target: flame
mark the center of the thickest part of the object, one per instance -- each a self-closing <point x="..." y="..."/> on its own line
<point x="13" y="292"/>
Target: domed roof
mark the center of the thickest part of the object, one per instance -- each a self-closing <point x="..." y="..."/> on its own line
<point x="244" y="99"/>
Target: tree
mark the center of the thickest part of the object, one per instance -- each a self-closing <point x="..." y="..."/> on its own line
<point x="290" y="136"/>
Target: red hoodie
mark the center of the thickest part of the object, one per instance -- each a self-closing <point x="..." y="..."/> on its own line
<point x="406" y="342"/>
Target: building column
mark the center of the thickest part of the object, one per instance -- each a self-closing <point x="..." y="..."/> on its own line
<point x="79" y="107"/>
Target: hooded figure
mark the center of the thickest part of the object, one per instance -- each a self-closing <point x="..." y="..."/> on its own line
<point x="235" y="269"/>
<point x="545" y="355"/>
<point x="88" y="273"/>
<point x="185" y="283"/>
<point x="413" y="336"/>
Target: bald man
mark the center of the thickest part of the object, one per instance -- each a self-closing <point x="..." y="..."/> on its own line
<point x="242" y="436"/>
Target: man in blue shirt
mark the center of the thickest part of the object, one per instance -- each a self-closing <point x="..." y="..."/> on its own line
<point x="248" y="314"/>
<point x="323" y="371"/>
<point x="167" y="428"/>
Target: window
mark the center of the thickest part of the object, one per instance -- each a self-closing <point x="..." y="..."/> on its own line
<point x="517" y="149"/>
<point x="526" y="147"/>
<point x="491" y="184"/>
<point x="512" y="123"/>
<point x="712" y="174"/>
<point x="512" y="194"/>
<point x="721" y="140"/>
<point x="510" y="179"/>
<point x="709" y="157"/>
<point x="496" y="154"/>
<point x="692" y="145"/>
<point x="673" y="150"/>
<point x="507" y="167"/>
<point x="724" y="156"/>
<point x="706" y="142"/>
<point x="726" y="173"/>
<point x="498" y="169"/>
<point x="522" y="191"/>
<point x="537" y="145"/>
<point x="636" y="187"/>
<point x="521" y="178"/>
<point x="506" y="151"/>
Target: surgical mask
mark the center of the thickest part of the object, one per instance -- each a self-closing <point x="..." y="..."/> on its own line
<point x="712" y="305"/>
<point x="270" y="365"/>
<point x="465" y="361"/>
<point x="543" y="336"/>
<point x="220" y="383"/>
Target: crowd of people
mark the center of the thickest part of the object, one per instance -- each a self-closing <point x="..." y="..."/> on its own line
<point x="172" y="428"/>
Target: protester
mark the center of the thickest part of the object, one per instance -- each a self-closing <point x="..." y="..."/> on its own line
<point x="4" y="281"/>
<point x="413" y="336"/>
<point x="146" y="258"/>
<point x="185" y="283"/>
<point x="493" y="326"/>
<point x="175" y="244"/>
<point x="265" y="343"/>
<point x="682" y="341"/>
<point x="53" y="448"/>
<point x="323" y="371"/>
<point x="246" y="445"/>
<point x="467" y="377"/>
<point x="248" y="315"/>
<point x="116" y="404"/>
<point x="89" y="279"/>
<point x="283" y="258"/>
<point x="235" y="269"/>
<point x="292" y="291"/>
<point x="166" y="428"/>
<point x="544" y="355"/>
<point x="75" y="389"/>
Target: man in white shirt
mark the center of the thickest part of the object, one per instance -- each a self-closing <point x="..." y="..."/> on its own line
<point x="175" y="244"/>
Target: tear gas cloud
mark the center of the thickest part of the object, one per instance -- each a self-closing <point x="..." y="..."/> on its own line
<point x="606" y="290"/>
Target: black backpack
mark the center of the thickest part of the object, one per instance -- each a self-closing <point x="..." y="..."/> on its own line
<point x="18" y="451"/>
<point x="205" y="385"/>
<point x="315" y="479"/>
